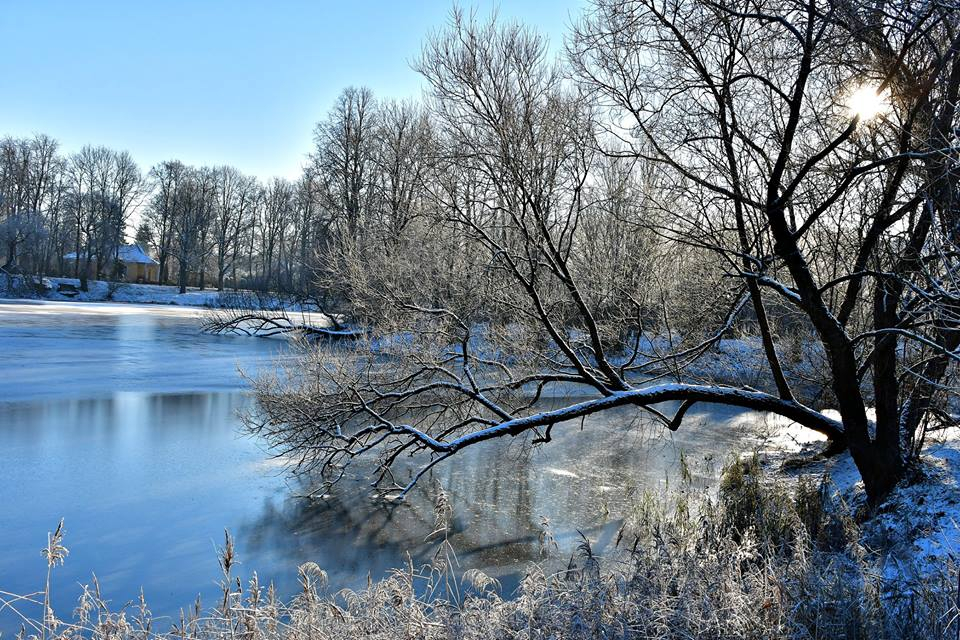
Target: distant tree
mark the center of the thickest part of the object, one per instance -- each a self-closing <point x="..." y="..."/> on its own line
<point x="30" y="200"/>
<point x="126" y="190"/>
<point x="248" y="196"/>
<point x="144" y="235"/>
<point x="88" y="186"/>
<point x="276" y="215"/>
<point x="310" y="229"/>
<point x="105" y="188"/>
<point x="402" y="161"/>
<point x="205" y="231"/>
<point x="17" y="229"/>
<point x="161" y="211"/>
<point x="227" y="219"/>
<point x="193" y="207"/>
<point x="344" y="155"/>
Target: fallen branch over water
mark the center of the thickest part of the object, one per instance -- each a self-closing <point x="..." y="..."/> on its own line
<point x="268" y="324"/>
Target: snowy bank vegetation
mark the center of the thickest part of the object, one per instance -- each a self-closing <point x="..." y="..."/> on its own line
<point x="757" y="561"/>
<point x="70" y="290"/>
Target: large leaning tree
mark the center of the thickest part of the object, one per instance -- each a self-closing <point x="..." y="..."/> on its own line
<point x="822" y="137"/>
<point x="784" y="159"/>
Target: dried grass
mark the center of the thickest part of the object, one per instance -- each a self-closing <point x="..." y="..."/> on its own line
<point x="757" y="562"/>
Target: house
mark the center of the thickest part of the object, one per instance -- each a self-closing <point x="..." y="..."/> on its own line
<point x="135" y="264"/>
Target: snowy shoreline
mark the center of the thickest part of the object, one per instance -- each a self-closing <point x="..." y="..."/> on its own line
<point x="101" y="291"/>
<point x="916" y="528"/>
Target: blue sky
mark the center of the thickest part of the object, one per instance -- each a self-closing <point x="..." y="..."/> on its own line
<point x="214" y="82"/>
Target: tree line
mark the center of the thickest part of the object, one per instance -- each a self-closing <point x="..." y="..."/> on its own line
<point x="213" y="225"/>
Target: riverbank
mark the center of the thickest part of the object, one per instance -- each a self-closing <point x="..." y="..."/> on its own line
<point x="68" y="290"/>
<point x="916" y="530"/>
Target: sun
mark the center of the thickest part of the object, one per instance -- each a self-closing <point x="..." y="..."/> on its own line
<point x="867" y="102"/>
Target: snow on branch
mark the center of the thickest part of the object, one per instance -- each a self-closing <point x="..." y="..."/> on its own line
<point x="403" y="402"/>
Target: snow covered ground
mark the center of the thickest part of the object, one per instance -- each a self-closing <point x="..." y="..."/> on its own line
<point x="101" y="291"/>
<point x="916" y="531"/>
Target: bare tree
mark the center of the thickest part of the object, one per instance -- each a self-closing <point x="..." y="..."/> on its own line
<point x="93" y="214"/>
<point x="193" y="211"/>
<point x="126" y="191"/>
<point x="402" y="161"/>
<point x="18" y="229"/>
<point x="344" y="157"/>
<point x="248" y="194"/>
<point x="276" y="216"/>
<point x="29" y="171"/>
<point x="498" y="316"/>
<point x="770" y="141"/>
<point x="309" y="228"/>
<point x="161" y="211"/>
<point x="227" y="220"/>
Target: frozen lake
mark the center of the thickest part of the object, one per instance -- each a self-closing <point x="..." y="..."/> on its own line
<point x="124" y="421"/>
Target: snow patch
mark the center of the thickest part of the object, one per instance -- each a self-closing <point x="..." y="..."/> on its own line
<point x="916" y="531"/>
<point x="563" y="473"/>
<point x="68" y="290"/>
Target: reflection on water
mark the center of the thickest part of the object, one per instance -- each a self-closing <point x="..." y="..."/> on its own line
<point x="147" y="481"/>
<point x="88" y="349"/>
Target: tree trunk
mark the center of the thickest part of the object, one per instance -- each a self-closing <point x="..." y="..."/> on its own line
<point x="880" y="467"/>
<point x="182" y="281"/>
<point x="76" y="254"/>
